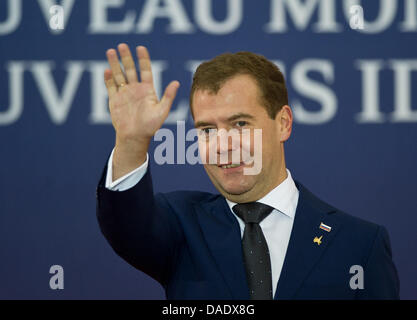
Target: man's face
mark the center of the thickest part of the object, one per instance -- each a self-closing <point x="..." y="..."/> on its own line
<point x="237" y="105"/>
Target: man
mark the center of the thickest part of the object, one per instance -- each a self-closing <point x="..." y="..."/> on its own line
<point x="265" y="236"/>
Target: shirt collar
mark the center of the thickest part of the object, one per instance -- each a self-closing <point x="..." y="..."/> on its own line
<point x="280" y="198"/>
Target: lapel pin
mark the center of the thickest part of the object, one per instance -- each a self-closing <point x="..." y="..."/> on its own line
<point x="325" y="227"/>
<point x="317" y="240"/>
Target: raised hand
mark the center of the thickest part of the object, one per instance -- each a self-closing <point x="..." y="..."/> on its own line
<point x="135" y="110"/>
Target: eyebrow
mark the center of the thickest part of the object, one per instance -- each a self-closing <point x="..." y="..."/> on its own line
<point x="234" y="117"/>
<point x="240" y="115"/>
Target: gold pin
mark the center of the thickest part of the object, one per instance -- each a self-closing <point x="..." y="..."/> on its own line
<point x="317" y="240"/>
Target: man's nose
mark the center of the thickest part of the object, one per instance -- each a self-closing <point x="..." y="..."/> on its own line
<point x="227" y="141"/>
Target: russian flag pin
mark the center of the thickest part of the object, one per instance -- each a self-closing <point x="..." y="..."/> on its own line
<point x="325" y="227"/>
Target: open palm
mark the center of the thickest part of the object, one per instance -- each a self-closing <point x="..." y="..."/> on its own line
<point x="135" y="110"/>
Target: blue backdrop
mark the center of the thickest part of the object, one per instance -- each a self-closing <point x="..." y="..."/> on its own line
<point x="354" y="142"/>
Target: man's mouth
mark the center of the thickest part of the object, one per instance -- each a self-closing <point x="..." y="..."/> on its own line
<point x="230" y="165"/>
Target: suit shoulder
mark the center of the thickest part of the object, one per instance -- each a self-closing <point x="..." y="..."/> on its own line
<point x="351" y="226"/>
<point x="357" y="225"/>
<point x="356" y="230"/>
<point x="353" y="222"/>
<point x="360" y="234"/>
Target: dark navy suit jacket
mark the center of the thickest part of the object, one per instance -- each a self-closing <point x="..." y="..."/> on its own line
<point x="190" y="243"/>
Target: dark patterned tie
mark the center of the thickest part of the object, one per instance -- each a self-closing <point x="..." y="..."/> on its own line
<point x="255" y="249"/>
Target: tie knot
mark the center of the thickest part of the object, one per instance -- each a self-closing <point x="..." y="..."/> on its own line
<point x="252" y="212"/>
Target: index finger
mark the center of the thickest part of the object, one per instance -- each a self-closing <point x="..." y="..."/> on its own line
<point x="145" y="66"/>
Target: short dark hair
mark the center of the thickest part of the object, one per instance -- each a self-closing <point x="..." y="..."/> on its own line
<point x="211" y="75"/>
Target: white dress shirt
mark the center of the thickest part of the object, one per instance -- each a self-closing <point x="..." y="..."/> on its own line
<point x="276" y="227"/>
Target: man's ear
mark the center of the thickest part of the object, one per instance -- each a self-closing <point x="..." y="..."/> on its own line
<point x="284" y="118"/>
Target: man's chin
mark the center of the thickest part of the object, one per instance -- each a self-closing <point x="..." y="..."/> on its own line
<point x="235" y="191"/>
<point x="229" y="188"/>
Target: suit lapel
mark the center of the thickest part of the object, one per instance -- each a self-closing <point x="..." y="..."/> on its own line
<point x="302" y="252"/>
<point x="222" y="234"/>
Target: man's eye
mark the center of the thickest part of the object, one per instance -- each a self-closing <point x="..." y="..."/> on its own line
<point x="241" y="123"/>
<point x="206" y="131"/>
